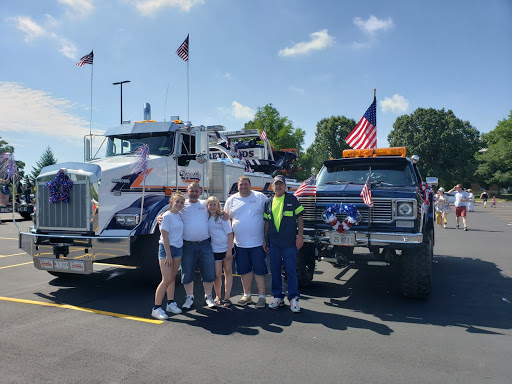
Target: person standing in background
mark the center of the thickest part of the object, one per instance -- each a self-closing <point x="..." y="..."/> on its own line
<point x="484" y="197"/>
<point x="471" y="201"/>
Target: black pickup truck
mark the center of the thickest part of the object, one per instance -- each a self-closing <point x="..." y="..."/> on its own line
<point x="397" y="229"/>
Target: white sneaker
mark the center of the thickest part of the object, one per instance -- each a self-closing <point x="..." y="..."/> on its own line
<point x="159" y="314"/>
<point x="173" y="307"/>
<point x="294" y="305"/>
<point x="189" y="302"/>
<point x="276" y="303"/>
<point x="209" y="301"/>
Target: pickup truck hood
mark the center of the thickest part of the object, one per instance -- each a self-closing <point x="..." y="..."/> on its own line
<point x="340" y="190"/>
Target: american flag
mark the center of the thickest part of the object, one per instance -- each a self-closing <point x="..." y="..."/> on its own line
<point x="182" y="51"/>
<point x="307" y="188"/>
<point x="248" y="166"/>
<point x="364" y="135"/>
<point x="87" y="59"/>
<point x="263" y="134"/>
<point x="366" y="193"/>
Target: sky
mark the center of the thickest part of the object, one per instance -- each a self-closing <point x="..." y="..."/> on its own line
<point x="310" y="59"/>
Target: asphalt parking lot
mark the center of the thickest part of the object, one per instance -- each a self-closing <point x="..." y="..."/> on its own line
<point x="354" y="325"/>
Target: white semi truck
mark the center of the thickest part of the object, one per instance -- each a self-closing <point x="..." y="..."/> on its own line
<point x="103" y="220"/>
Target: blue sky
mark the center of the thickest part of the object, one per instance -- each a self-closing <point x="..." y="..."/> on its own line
<point x="310" y="59"/>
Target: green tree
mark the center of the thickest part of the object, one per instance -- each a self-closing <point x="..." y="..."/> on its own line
<point x="47" y="158"/>
<point x="280" y="131"/>
<point x="445" y="144"/>
<point x="329" y="141"/>
<point x="496" y="160"/>
<point x="9" y="148"/>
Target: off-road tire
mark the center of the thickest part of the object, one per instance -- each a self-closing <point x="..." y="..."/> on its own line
<point x="306" y="265"/>
<point x="416" y="278"/>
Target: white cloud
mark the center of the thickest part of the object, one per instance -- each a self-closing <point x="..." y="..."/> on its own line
<point x="30" y="28"/>
<point x="150" y="7"/>
<point x="296" y="89"/>
<point x="80" y="8"/>
<point x="319" y="40"/>
<point x="397" y="103"/>
<point x="27" y="111"/>
<point x="240" y="111"/>
<point x="373" y="24"/>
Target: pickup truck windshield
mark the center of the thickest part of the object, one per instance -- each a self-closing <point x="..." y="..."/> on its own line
<point x="160" y="144"/>
<point x="382" y="172"/>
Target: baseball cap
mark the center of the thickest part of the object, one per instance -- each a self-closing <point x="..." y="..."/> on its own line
<point x="280" y="178"/>
<point x="441" y="189"/>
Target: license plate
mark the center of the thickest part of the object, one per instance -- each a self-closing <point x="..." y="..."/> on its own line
<point x="77" y="265"/>
<point x="61" y="264"/>
<point x="343" y="238"/>
<point x="405" y="224"/>
<point x="46" y="263"/>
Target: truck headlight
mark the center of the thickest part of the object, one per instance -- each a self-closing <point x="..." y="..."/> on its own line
<point x="127" y="220"/>
<point x="405" y="209"/>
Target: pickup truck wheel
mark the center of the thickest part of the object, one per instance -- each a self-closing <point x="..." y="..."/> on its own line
<point x="416" y="279"/>
<point x="305" y="265"/>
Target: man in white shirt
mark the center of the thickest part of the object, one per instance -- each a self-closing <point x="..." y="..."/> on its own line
<point x="245" y="209"/>
<point x="197" y="248"/>
<point x="461" y="201"/>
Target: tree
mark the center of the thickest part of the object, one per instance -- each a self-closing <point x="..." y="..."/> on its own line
<point x="9" y="148"/>
<point x="47" y="158"/>
<point x="445" y="144"/>
<point x="280" y="131"/>
<point x="496" y="160"/>
<point x="329" y="141"/>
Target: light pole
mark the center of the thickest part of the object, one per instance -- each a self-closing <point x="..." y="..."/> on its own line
<point x="121" y="83"/>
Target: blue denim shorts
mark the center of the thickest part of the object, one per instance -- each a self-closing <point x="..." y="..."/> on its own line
<point x="251" y="260"/>
<point x="176" y="253"/>
<point x="197" y="254"/>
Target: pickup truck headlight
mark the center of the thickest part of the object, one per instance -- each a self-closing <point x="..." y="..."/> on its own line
<point x="404" y="209"/>
<point x="127" y="220"/>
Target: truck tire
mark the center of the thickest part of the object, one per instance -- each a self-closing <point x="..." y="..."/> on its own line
<point x="306" y="265"/>
<point x="26" y="216"/>
<point x="145" y="252"/>
<point x="416" y="279"/>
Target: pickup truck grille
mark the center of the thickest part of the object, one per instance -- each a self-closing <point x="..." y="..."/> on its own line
<point x="74" y="215"/>
<point x="382" y="210"/>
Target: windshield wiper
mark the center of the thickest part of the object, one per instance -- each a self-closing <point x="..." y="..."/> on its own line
<point x="339" y="182"/>
<point x="382" y="183"/>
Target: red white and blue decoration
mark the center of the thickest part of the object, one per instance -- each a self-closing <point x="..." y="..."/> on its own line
<point x="425" y="191"/>
<point x="60" y="188"/>
<point x="8" y="167"/>
<point x="353" y="216"/>
<point x="141" y="162"/>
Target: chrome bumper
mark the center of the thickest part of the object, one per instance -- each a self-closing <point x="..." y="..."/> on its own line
<point x="362" y="239"/>
<point x="47" y="249"/>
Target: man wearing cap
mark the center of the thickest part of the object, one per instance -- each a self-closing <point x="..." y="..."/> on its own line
<point x="284" y="233"/>
<point x="461" y="201"/>
<point x="245" y="209"/>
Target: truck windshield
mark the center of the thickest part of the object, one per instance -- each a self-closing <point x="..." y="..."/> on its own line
<point x="382" y="172"/>
<point x="159" y="144"/>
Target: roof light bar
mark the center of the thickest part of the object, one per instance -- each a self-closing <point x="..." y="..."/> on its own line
<point x="375" y="152"/>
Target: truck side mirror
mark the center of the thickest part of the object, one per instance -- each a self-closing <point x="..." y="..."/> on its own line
<point x="433" y="181"/>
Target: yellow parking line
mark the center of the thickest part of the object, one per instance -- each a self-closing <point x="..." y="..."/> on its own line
<point x="67" y="306"/>
<point x="14" y="254"/>
<point x="8" y="238"/>
<point x="16" y="265"/>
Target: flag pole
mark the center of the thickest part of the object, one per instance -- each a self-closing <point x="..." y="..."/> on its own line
<point x="188" y="91"/>
<point x="90" y="119"/>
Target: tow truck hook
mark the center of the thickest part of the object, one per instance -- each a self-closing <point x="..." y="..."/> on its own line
<point x="60" y="249"/>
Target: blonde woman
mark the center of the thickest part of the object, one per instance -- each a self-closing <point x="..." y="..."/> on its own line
<point x="170" y="252"/>
<point x="221" y="235"/>
<point x="442" y="207"/>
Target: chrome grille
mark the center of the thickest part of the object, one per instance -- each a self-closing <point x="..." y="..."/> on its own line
<point x="382" y="210"/>
<point x="74" y="215"/>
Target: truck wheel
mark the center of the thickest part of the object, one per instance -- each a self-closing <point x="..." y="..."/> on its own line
<point x="305" y="264"/>
<point x="416" y="279"/>
<point x="145" y="252"/>
<point x="26" y="216"/>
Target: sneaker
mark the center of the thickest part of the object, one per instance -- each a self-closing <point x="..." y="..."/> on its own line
<point x="294" y="305"/>
<point x="276" y="303"/>
<point x="245" y="300"/>
<point x="444" y="225"/>
<point x="465" y="228"/>
<point x="261" y="302"/>
<point x="457" y="226"/>
<point x="189" y="302"/>
<point x="209" y="301"/>
<point x="159" y="314"/>
<point x="173" y="308"/>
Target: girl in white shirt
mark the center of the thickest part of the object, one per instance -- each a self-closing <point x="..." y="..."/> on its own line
<point x="170" y="251"/>
<point x="221" y="236"/>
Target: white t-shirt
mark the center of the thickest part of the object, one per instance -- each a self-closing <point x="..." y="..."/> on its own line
<point x="172" y="223"/>
<point x="247" y="218"/>
<point x="458" y="196"/>
<point x="219" y="230"/>
<point x="195" y="221"/>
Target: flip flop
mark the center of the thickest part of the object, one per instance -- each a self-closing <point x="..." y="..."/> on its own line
<point x="226" y="303"/>
<point x="218" y="301"/>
